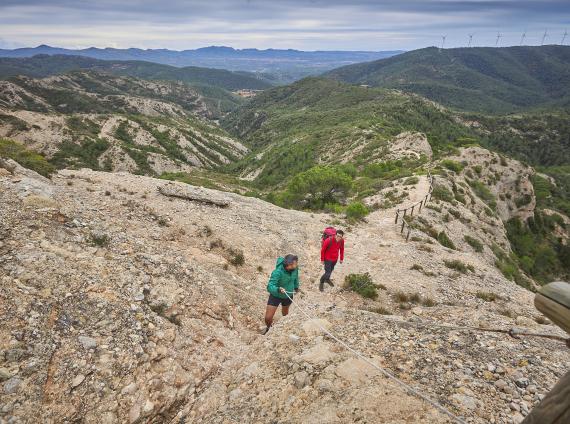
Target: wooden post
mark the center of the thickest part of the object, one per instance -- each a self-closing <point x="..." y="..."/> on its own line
<point x="553" y="300"/>
<point x="412" y="211"/>
<point x="555" y="407"/>
<point x="421" y="204"/>
<point x="397" y="213"/>
<point x="408" y="236"/>
<point x="403" y="223"/>
<point x="405" y="212"/>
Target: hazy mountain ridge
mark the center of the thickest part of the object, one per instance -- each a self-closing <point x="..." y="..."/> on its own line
<point x="285" y="65"/>
<point x="45" y="65"/>
<point x="494" y="80"/>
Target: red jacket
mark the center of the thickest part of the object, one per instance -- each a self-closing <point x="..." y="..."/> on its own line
<point x="331" y="248"/>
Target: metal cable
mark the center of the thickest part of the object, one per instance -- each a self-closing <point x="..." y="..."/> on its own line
<point x="386" y="373"/>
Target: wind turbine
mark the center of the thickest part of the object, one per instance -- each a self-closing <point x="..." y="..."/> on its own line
<point x="443" y="37"/>
<point x="499" y="36"/>
<point x="544" y="37"/>
<point x="564" y="37"/>
<point x="523" y="36"/>
<point x="470" y="40"/>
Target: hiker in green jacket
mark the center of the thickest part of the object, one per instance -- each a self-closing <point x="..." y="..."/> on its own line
<point x="284" y="281"/>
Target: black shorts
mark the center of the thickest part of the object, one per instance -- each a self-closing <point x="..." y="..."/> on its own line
<point x="276" y="301"/>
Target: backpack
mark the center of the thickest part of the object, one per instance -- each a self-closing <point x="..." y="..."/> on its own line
<point x="328" y="233"/>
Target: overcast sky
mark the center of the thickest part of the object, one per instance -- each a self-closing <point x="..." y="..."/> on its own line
<point x="298" y="24"/>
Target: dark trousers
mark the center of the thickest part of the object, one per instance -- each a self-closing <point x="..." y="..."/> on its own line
<point x="329" y="267"/>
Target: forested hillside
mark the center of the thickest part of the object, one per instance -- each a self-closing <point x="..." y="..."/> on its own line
<point x="479" y="79"/>
<point x="43" y="65"/>
<point x="295" y="127"/>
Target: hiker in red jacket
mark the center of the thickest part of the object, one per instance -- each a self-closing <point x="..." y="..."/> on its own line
<point x="330" y="249"/>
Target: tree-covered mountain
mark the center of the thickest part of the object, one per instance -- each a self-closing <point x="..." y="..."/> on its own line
<point x="280" y="65"/>
<point x="44" y="65"/>
<point x="493" y="80"/>
<point x="317" y="120"/>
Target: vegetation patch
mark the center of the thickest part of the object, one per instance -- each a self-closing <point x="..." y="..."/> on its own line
<point x="235" y="257"/>
<point x="99" y="239"/>
<point x="443" y="194"/>
<point x="474" y="243"/>
<point x="452" y="165"/>
<point x="27" y="158"/>
<point x="84" y="154"/>
<point x="459" y="266"/>
<point x="356" y="211"/>
<point x="537" y="250"/>
<point x="483" y="193"/>
<point x="445" y="241"/>
<point x="361" y="284"/>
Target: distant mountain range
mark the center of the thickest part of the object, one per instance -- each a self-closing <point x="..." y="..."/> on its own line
<point x="476" y="79"/>
<point x="284" y="65"/>
<point x="45" y="65"/>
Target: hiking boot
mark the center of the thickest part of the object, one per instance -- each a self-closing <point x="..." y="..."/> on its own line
<point x="322" y="286"/>
<point x="330" y="283"/>
<point x="266" y="331"/>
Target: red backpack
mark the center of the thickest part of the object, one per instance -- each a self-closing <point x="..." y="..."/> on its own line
<point x="328" y="233"/>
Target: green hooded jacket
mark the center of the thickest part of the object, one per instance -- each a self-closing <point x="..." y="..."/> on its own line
<point x="282" y="278"/>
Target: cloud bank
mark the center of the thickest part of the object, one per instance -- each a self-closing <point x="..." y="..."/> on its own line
<point x="300" y="24"/>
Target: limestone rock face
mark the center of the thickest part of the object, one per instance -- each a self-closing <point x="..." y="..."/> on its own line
<point x="410" y="145"/>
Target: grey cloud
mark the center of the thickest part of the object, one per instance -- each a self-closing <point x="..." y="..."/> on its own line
<point x="258" y="23"/>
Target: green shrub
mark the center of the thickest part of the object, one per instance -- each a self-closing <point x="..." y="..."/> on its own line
<point x="483" y="192"/>
<point x="99" y="239"/>
<point x="317" y="187"/>
<point x="452" y="165"/>
<point x="27" y="158"/>
<point x="361" y="284"/>
<point x="236" y="257"/>
<point x="443" y="194"/>
<point x="445" y="241"/>
<point x="411" y="181"/>
<point x="459" y="266"/>
<point x="356" y="211"/>
<point x="334" y="208"/>
<point x="474" y="243"/>
<point x="523" y="200"/>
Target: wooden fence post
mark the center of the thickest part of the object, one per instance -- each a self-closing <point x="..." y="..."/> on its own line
<point x="412" y="211"/>
<point x="403" y="223"/>
<point x="397" y="213"/>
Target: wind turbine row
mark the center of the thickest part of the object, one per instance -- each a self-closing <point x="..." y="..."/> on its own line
<point x="500" y="36"/>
